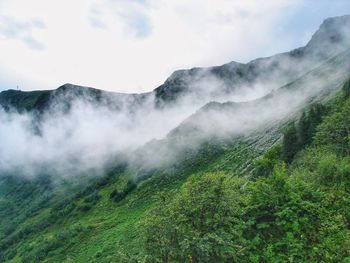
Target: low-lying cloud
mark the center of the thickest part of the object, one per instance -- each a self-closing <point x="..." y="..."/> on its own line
<point x="91" y="135"/>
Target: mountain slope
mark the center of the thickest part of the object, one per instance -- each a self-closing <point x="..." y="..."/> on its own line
<point x="109" y="230"/>
<point x="231" y="120"/>
<point x="101" y="219"/>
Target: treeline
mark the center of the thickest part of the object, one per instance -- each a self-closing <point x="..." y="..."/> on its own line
<point x="298" y="135"/>
<point x="335" y="128"/>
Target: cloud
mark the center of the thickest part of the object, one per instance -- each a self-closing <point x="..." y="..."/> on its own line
<point x="70" y="142"/>
<point x="11" y="28"/>
<point x="95" y="18"/>
<point x="130" y="13"/>
<point x="87" y="136"/>
<point x="133" y="46"/>
<point x="84" y="131"/>
<point x="138" y="24"/>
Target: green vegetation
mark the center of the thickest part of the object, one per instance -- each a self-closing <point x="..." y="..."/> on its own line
<point x="199" y="224"/>
<point x="118" y="196"/>
<point x="297" y="137"/>
<point x="113" y="226"/>
<point x="232" y="201"/>
<point x="298" y="213"/>
<point x="23" y="101"/>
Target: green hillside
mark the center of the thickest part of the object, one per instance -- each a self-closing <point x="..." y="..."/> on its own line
<point x="23" y="101"/>
<point x="283" y="209"/>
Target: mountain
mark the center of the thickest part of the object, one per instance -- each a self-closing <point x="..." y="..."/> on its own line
<point x="213" y="83"/>
<point x="272" y="72"/>
<point x="259" y="180"/>
<point x="231" y="120"/>
<point x="66" y="94"/>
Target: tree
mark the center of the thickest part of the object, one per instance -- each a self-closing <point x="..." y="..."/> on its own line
<point x="316" y="113"/>
<point x="159" y="233"/>
<point x="308" y="123"/>
<point x="200" y="224"/>
<point x="288" y="219"/>
<point x="304" y="130"/>
<point x="290" y="145"/>
<point x="346" y="88"/>
<point x="264" y="164"/>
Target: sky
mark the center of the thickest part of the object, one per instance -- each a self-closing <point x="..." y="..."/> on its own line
<point x="134" y="45"/>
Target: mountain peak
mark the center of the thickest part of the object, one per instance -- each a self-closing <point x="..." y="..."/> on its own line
<point x="336" y="21"/>
<point x="70" y="87"/>
<point x="332" y="36"/>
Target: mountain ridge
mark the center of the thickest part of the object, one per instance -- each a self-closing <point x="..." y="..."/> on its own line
<point x="233" y="76"/>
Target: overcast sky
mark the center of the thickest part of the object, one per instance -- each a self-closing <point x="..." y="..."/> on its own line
<point x="134" y="45"/>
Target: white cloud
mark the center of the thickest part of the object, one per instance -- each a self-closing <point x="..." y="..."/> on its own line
<point x="131" y="46"/>
<point x="12" y="29"/>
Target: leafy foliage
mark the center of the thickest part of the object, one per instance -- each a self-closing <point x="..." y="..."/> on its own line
<point x="299" y="215"/>
<point x="334" y="132"/>
<point x="199" y="224"/>
<point x="266" y="163"/>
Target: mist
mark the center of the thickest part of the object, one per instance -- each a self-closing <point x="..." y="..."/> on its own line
<point x="232" y="121"/>
<point x="88" y="136"/>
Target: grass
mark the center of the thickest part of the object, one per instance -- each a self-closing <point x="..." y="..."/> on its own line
<point x="112" y="229"/>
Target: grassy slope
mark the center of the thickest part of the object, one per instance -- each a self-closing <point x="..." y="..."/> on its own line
<point x="110" y="228"/>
